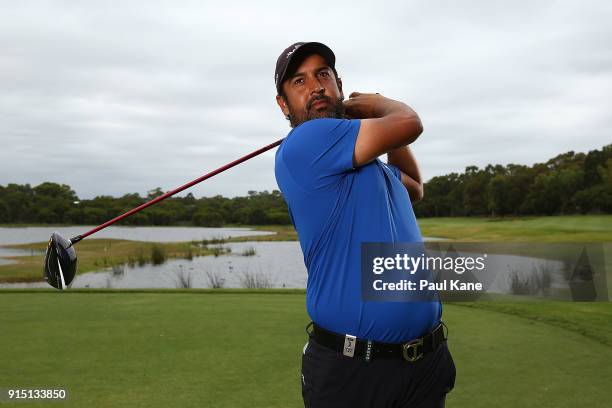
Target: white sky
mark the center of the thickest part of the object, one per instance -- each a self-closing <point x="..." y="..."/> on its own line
<point x="114" y="99"/>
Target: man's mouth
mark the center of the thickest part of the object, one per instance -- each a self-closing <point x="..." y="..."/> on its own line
<point x="319" y="103"/>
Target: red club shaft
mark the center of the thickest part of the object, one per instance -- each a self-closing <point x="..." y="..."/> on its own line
<point x="176" y="190"/>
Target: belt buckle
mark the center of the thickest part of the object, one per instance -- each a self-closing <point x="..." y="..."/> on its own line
<point x="410" y="350"/>
<point x="349" y="345"/>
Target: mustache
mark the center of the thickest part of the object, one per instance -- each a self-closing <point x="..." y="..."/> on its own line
<point x="318" y="98"/>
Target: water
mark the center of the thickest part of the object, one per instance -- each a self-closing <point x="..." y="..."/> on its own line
<point x="25" y="235"/>
<point x="279" y="263"/>
<point x="274" y="264"/>
<point x="500" y="268"/>
<point x="16" y="252"/>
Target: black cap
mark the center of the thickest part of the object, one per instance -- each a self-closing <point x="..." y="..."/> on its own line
<point x="300" y="49"/>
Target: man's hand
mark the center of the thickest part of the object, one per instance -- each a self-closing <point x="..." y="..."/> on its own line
<point x="364" y="105"/>
<point x="386" y="125"/>
<point x="370" y="106"/>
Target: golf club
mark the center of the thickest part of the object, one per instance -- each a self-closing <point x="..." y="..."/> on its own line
<point x="60" y="266"/>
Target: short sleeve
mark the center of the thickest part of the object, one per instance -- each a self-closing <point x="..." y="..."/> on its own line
<point x="319" y="151"/>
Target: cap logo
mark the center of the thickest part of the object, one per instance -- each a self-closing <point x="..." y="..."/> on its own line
<point x="292" y="51"/>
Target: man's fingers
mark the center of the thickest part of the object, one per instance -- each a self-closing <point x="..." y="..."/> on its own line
<point x="356" y="94"/>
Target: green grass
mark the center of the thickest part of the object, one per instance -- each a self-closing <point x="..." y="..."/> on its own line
<point x="233" y="348"/>
<point x="506" y="360"/>
<point x="242" y="348"/>
<point x="281" y="233"/>
<point x="568" y="228"/>
<point x="565" y="228"/>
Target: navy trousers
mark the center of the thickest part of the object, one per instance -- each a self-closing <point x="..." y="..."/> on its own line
<point x="332" y="380"/>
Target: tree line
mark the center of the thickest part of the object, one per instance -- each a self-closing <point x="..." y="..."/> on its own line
<point x="58" y="203"/>
<point x="567" y="184"/>
<point x="570" y="183"/>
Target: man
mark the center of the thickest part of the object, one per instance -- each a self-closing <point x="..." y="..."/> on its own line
<point x="339" y="194"/>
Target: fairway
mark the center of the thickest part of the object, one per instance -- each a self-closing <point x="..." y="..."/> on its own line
<point x="562" y="228"/>
<point x="233" y="349"/>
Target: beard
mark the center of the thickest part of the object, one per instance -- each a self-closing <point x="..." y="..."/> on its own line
<point x="334" y="109"/>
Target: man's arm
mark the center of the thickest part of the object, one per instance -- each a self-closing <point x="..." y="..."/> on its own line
<point x="386" y="125"/>
<point x="403" y="159"/>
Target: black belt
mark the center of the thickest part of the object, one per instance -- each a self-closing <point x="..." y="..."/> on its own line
<point x="352" y="346"/>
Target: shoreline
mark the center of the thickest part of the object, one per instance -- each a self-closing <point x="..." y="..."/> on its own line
<point x="95" y="255"/>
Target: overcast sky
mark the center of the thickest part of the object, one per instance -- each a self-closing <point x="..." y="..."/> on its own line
<point x="121" y="98"/>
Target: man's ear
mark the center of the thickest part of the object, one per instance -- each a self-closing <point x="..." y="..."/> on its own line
<point x="282" y="103"/>
<point x="339" y="82"/>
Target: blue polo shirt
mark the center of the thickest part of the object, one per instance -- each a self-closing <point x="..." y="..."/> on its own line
<point x="334" y="208"/>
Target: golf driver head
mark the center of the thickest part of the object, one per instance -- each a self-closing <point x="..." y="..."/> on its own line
<point x="60" y="262"/>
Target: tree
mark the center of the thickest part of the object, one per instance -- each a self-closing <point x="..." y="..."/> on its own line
<point x="156" y="192"/>
<point x="208" y="218"/>
<point x="94" y="216"/>
<point x="475" y="191"/>
<point x="568" y="183"/>
<point x="4" y="211"/>
<point x="278" y="217"/>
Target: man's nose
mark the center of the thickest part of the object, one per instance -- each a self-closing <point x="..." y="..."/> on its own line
<point x="317" y="87"/>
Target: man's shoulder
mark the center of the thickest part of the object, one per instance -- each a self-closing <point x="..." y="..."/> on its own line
<point x="321" y="124"/>
<point x="308" y="131"/>
<point x="318" y="148"/>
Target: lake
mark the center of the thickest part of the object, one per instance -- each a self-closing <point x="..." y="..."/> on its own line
<point x="25" y="235"/>
<point x="248" y="264"/>
<point x="280" y="263"/>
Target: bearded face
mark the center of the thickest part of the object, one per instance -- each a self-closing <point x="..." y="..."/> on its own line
<point x="312" y="91"/>
<point x="320" y="106"/>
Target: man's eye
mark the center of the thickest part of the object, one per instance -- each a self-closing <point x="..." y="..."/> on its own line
<point x="324" y="74"/>
<point x="298" y="81"/>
